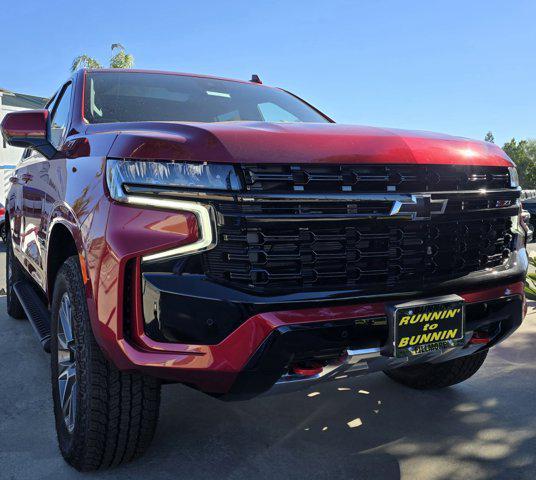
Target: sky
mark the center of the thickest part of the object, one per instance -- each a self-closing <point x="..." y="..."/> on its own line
<point x="458" y="67"/>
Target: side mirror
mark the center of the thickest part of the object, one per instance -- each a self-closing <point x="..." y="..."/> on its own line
<point x="28" y="129"/>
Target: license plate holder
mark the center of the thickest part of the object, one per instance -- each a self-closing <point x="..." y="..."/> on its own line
<point x="427" y="325"/>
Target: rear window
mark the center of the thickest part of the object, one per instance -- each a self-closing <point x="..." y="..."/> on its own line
<point x="131" y="97"/>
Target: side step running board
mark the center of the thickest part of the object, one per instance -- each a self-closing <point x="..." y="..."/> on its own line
<point x="35" y="310"/>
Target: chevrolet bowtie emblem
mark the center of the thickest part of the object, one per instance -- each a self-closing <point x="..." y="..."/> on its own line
<point x="418" y="207"/>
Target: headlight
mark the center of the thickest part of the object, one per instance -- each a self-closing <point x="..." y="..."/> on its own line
<point x="122" y="174"/>
<point x="186" y="175"/>
<point x="514" y="178"/>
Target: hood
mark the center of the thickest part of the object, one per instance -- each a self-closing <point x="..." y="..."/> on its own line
<point x="261" y="142"/>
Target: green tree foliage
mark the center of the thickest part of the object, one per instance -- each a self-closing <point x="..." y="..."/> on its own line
<point x="530" y="281"/>
<point x="523" y="153"/>
<point x="489" y="137"/>
<point x="84" y="61"/>
<point x="120" y="59"/>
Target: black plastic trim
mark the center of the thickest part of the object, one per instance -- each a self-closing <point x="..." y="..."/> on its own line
<point x="191" y="308"/>
<point x="35" y="310"/>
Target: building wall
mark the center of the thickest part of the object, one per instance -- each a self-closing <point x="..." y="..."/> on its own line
<point x="9" y="156"/>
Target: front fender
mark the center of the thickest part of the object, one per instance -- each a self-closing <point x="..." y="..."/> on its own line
<point x="62" y="217"/>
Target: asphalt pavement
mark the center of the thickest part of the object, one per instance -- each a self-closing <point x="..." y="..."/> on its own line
<point x="365" y="428"/>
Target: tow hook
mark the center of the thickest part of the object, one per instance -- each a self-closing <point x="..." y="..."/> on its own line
<point x="307" y="369"/>
<point x="479" y="338"/>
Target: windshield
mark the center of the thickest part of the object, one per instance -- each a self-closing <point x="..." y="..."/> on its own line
<point x="132" y="97"/>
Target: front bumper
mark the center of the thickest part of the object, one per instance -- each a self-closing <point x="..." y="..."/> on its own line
<point x="350" y="337"/>
<point x="267" y="369"/>
<point x="225" y="341"/>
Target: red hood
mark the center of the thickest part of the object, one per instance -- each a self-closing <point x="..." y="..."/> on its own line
<point x="260" y="142"/>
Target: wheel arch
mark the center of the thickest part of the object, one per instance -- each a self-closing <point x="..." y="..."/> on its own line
<point x="64" y="240"/>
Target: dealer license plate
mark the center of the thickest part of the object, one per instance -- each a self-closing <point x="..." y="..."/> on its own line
<point x="421" y="327"/>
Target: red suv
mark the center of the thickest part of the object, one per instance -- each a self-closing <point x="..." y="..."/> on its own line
<point x="227" y="235"/>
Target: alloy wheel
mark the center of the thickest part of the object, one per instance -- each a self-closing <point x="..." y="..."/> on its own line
<point x="67" y="363"/>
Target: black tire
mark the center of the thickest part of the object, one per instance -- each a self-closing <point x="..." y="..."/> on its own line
<point x="14" y="307"/>
<point x="3" y="232"/>
<point x="430" y="376"/>
<point x="116" y="413"/>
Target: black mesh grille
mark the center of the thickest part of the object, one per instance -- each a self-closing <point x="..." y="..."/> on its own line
<point x="128" y="296"/>
<point x="328" y="227"/>
<point x="278" y="257"/>
<point x="278" y="178"/>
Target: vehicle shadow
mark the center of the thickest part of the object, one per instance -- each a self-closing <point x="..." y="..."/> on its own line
<point x="482" y="429"/>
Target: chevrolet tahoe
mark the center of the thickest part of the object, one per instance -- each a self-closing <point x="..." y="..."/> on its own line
<point x="227" y="235"/>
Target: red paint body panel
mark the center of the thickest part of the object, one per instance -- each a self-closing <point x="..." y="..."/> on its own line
<point x="262" y="142"/>
<point x="26" y="124"/>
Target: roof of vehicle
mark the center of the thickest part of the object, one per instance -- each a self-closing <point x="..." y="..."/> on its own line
<point x="163" y="72"/>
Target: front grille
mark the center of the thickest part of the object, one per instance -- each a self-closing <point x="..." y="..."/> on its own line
<point x="377" y="254"/>
<point x="331" y="178"/>
<point x="361" y="227"/>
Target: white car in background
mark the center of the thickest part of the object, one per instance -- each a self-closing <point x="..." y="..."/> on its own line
<point x="525" y="217"/>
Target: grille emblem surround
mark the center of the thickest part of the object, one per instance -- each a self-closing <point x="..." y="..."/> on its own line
<point x="418" y="207"/>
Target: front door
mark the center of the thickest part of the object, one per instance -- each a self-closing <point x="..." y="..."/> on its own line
<point x="38" y="188"/>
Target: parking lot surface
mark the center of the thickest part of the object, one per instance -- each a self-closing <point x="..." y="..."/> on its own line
<point x="368" y="427"/>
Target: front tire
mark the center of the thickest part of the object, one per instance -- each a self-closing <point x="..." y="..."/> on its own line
<point x="104" y="417"/>
<point x="430" y="376"/>
<point x="3" y="232"/>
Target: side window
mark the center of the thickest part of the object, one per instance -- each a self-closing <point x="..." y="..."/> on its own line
<point x="274" y="113"/>
<point x="27" y="152"/>
<point x="60" y="117"/>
